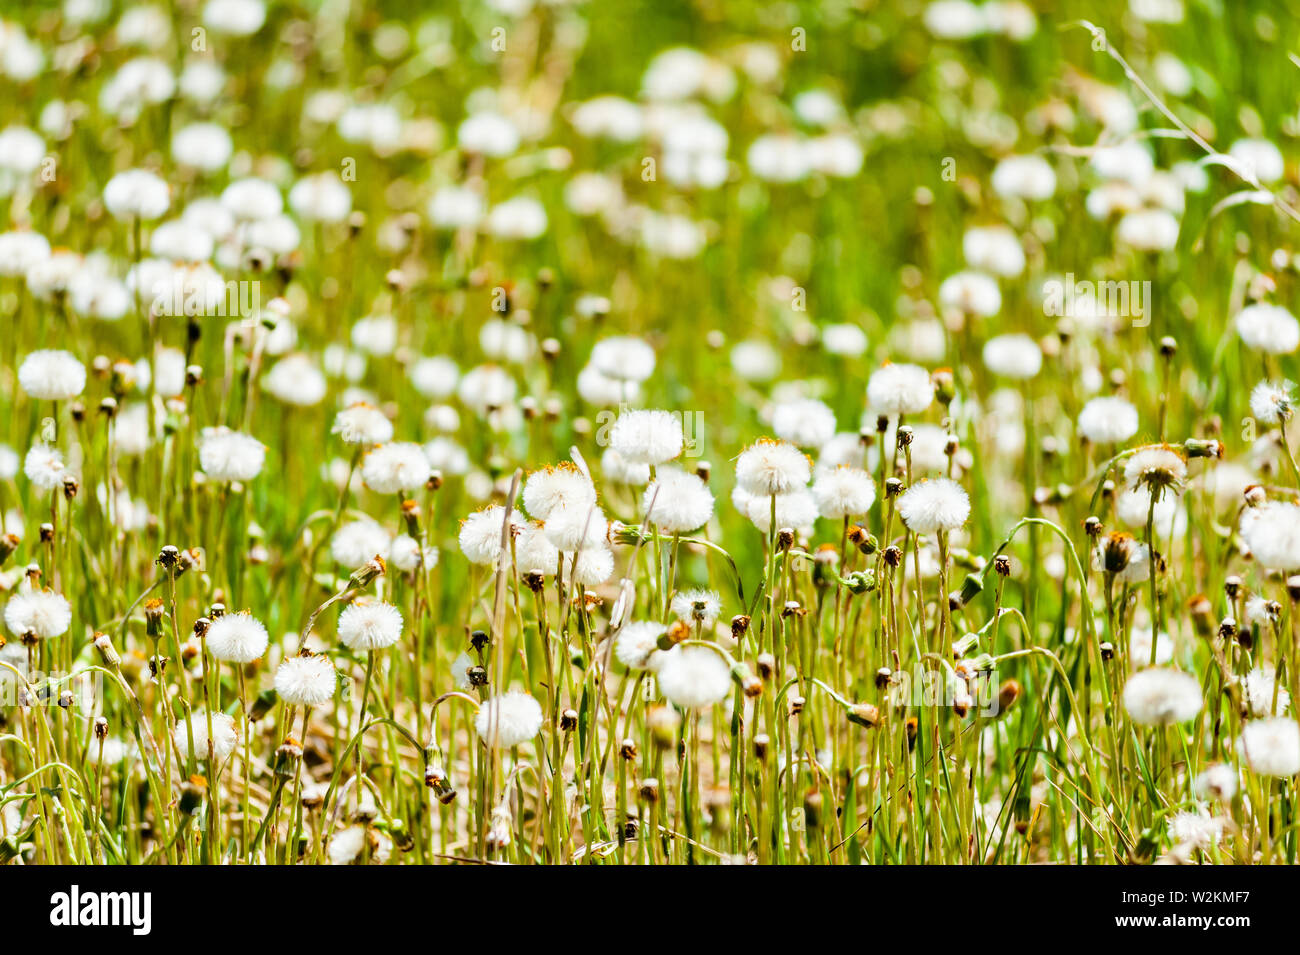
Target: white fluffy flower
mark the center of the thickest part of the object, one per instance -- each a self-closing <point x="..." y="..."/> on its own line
<point x="359" y="541"/>
<point x="843" y="491"/>
<point x="694" y="677"/>
<point x="620" y="470"/>
<point x="805" y="422"/>
<point x="406" y="554"/>
<point x="590" y="567"/>
<point x="1272" y="401"/>
<point x="1024" y="177"/>
<point x="396" y="467"/>
<point x="1148" y="230"/>
<point x="572" y="526"/>
<point x="1108" y="420"/>
<point x="623" y="358"/>
<point x="1155" y="466"/>
<point x="488" y="133"/>
<point x="697" y="606"/>
<point x="681" y="501"/>
<point x="534" y="553"/>
<point x="562" y="485"/>
<point x="508" y="719"/>
<point x="370" y="625"/>
<point x="940" y="504"/>
<point x="1195" y="829"/>
<point x="770" y="467"/>
<point x="136" y="194"/>
<point x="1160" y="696"/>
<point x="647" y="437"/>
<point x="237" y="638"/>
<point x="362" y="423"/>
<point x="972" y="292"/>
<point x="1271" y="747"/>
<point x="1259" y="686"/>
<point x="1258" y="157"/>
<point x="224" y="735"/>
<point x="1269" y="328"/>
<point x="227" y="455"/>
<point x="480" y="534"/>
<point x="899" y="389"/>
<point x="52" y="375"/>
<point x="41" y="613"/>
<point x="321" y="198"/>
<point x="796" y="510"/>
<point x="1013" y="356"/>
<point x="306" y="681"/>
<point x="296" y="380"/>
<point x="1272" y="532"/>
<point x="995" y="249"/>
<point x="637" y="645"/>
<point x="44" y="467"/>
<point x="1217" y="782"/>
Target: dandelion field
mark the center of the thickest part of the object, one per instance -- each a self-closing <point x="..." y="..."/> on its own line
<point x="546" y="432"/>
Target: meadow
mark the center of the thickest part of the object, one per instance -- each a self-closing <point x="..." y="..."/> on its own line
<point x="558" y="432"/>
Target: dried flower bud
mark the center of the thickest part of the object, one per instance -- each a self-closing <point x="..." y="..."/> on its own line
<point x="864" y="714"/>
<point x="739" y="626"/>
<point x="766" y="665"/>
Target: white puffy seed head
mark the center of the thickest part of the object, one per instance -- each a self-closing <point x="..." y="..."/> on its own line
<point x="770" y="467"/>
<point x="647" y="437"/>
<point x="1108" y="420"/>
<point x="1268" y="328"/>
<point x="697" y="606"/>
<point x="222" y="743"/>
<point x="573" y="526"/>
<point x="1161" y="697"/>
<point x="623" y="358"/>
<point x="237" y="638"/>
<point x="843" y="491"/>
<point x="369" y="625"/>
<point x="227" y="455"/>
<point x="396" y="467"/>
<point x="558" y="486"/>
<point x="637" y="645"/>
<point x="1272" y="401"/>
<point x="39" y="613"/>
<point x="1272" y="532"/>
<point x="306" y="681"/>
<point x="899" y="389"/>
<point x="52" y="375"/>
<point x="805" y="422"/>
<point x="1013" y="356"/>
<point x="694" y="677"/>
<point x="362" y="423"/>
<point x="677" y="501"/>
<point x="508" y="719"/>
<point x="939" y="504"/>
<point x="480" y="533"/>
<point x="1271" y="747"/>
